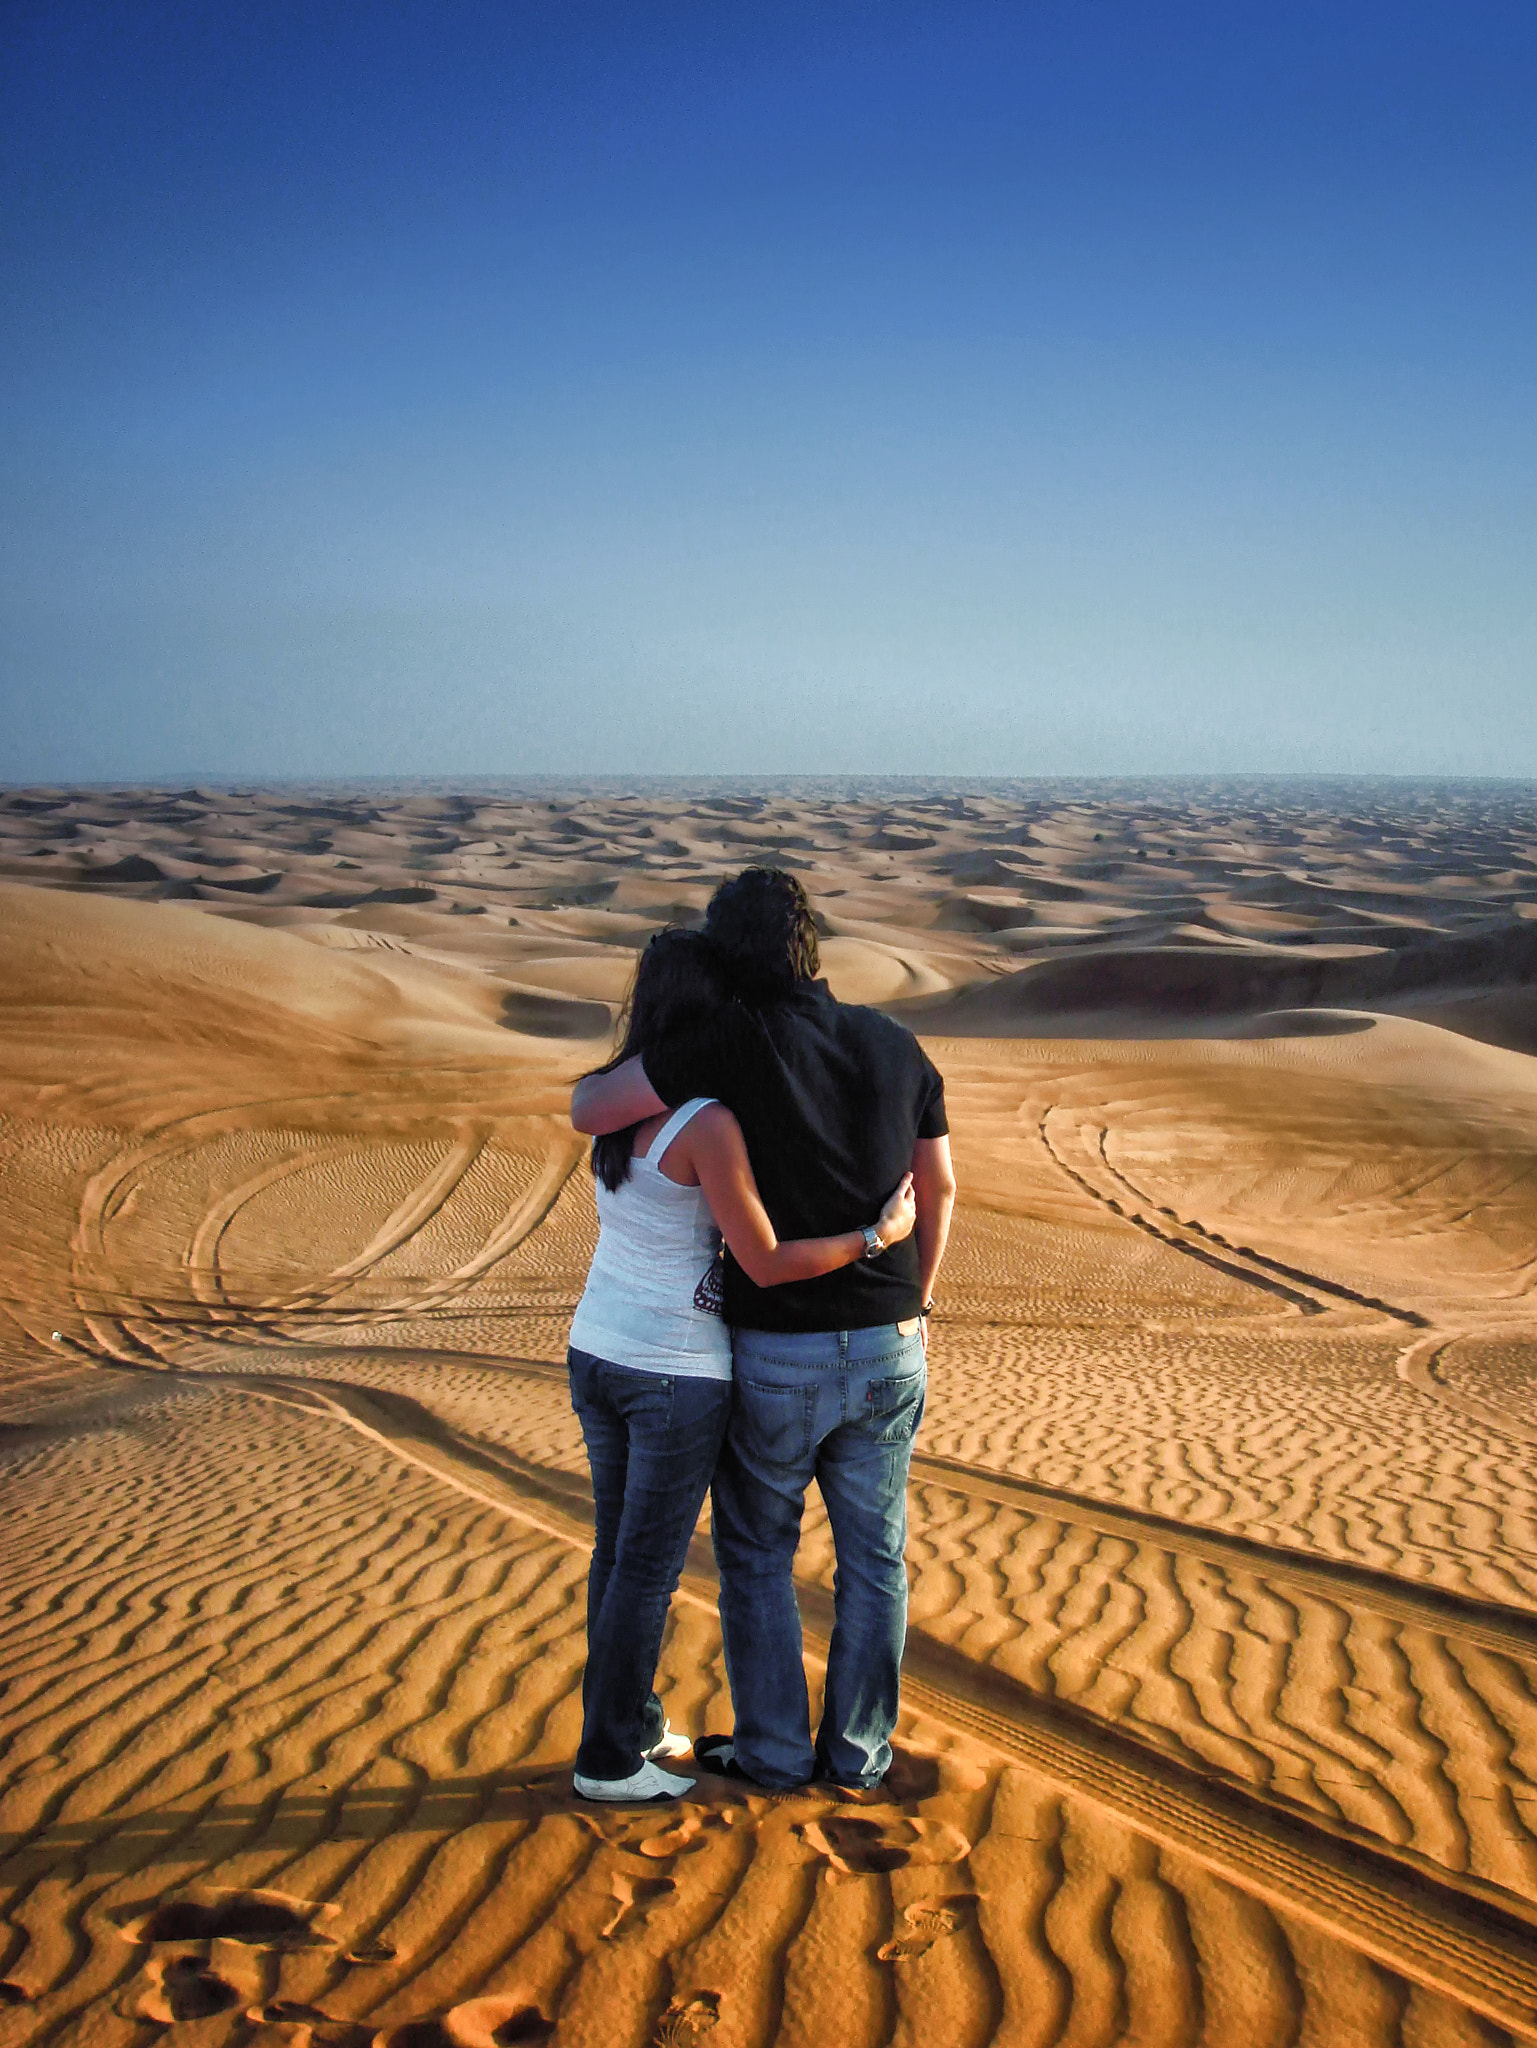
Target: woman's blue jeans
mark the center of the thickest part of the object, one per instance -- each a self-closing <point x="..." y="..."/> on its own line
<point x="843" y="1407"/>
<point x="652" y="1441"/>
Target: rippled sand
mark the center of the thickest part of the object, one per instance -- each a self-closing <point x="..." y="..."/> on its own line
<point x="1222" y="1686"/>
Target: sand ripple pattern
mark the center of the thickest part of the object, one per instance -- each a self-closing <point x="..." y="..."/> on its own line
<point x="300" y="1764"/>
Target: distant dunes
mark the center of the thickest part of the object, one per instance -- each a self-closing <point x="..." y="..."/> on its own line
<point x="1176" y="984"/>
<point x="1036" y="909"/>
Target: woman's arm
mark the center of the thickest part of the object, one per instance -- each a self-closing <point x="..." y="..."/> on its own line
<point x="934" y="1185"/>
<point x="614" y="1100"/>
<point x="715" y="1148"/>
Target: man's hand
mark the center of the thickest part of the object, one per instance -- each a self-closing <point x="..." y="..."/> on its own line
<point x="613" y="1101"/>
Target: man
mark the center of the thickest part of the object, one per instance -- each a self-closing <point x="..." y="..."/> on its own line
<point x="836" y="1102"/>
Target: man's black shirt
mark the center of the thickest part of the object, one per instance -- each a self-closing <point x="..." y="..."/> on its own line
<point x="831" y="1098"/>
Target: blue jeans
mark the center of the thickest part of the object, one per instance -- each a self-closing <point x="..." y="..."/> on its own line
<point x="652" y="1441"/>
<point x="842" y="1406"/>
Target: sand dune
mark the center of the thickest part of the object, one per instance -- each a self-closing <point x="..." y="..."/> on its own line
<point x="1485" y="983"/>
<point x="1142" y="906"/>
<point x="1222" y="1688"/>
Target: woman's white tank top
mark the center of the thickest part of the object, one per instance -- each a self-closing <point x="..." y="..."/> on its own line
<point x="652" y="1299"/>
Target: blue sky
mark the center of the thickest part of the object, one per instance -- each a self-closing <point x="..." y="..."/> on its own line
<point x="1033" y="388"/>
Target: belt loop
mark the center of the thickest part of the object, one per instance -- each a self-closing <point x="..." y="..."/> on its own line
<point x="843" y="1347"/>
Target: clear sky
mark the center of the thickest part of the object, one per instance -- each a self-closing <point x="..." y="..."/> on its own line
<point x="1048" y="386"/>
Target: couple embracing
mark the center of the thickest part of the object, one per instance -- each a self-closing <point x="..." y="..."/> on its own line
<point x="747" y="1104"/>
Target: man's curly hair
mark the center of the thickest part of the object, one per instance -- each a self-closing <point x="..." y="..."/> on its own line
<point x="762" y="929"/>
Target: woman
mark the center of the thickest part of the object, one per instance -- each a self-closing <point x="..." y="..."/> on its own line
<point x="650" y="1363"/>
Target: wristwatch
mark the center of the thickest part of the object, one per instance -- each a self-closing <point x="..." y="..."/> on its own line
<point x="875" y="1244"/>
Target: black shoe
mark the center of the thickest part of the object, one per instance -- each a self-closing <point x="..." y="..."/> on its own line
<point x="717" y="1754"/>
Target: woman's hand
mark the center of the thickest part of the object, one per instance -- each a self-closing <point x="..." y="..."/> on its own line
<point x="896" y="1220"/>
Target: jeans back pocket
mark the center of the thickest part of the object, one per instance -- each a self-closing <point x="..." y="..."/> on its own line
<point x="896" y="1406"/>
<point x="777" y="1422"/>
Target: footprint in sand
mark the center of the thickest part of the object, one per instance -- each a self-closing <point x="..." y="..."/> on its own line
<point x="429" y="2033"/>
<point x="690" y="2016"/>
<point x="631" y="1897"/>
<point x="186" y="1986"/>
<point x="265" y="1920"/>
<point x="862" y="1845"/>
<point x="478" y="2023"/>
<point x="913" y="1774"/>
<point x="288" y="2012"/>
<point x="644" y="1836"/>
<point x="497" y="2023"/>
<point x="924" y="1922"/>
<point x="690" y="1833"/>
<point x="182" y="1988"/>
<point x="322" y="2028"/>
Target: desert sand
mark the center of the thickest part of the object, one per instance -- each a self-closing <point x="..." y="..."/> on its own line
<point x="1221" y="1693"/>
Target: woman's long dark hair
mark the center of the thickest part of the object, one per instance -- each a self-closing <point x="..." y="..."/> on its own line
<point x="678" y="982"/>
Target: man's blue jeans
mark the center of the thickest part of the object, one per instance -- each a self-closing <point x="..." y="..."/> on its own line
<point x="843" y="1407"/>
<point x="652" y="1440"/>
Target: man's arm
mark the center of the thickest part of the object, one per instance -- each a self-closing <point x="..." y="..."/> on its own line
<point x="934" y="1189"/>
<point x="613" y="1101"/>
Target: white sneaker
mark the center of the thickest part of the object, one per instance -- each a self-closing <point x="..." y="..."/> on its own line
<point x="668" y="1748"/>
<point x="647" y="1785"/>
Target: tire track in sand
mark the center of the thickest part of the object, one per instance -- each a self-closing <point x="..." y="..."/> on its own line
<point x="523" y="1216"/>
<point x="409" y="1216"/>
<point x="1417" y="1368"/>
<point x="1209" y="1248"/>
<point x="202" y="1255"/>
<point x="1334" y="1289"/>
<point x="108" y="1304"/>
<point x="1303" y="1303"/>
